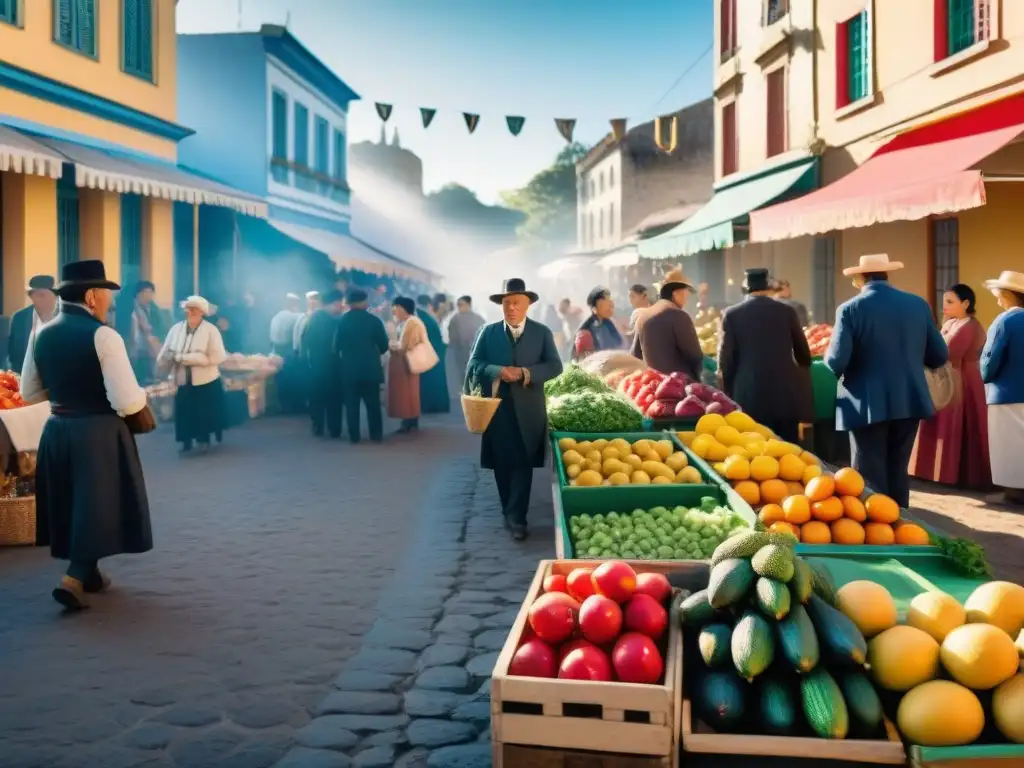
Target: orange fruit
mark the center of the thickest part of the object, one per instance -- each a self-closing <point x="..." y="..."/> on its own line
<point x="797" y="509"/>
<point x="853" y="508"/>
<point x="820" y="488"/>
<point x="791" y="468"/>
<point x="770" y="513"/>
<point x="815" y="532"/>
<point x="879" y="534"/>
<point x="810" y="472"/>
<point x="764" y="468"/>
<point x="827" y="510"/>
<point x="847" y="531"/>
<point x="881" y="509"/>
<point x="749" y="491"/>
<point x="912" y="535"/>
<point x="783" y="527"/>
<point x="810" y="459"/>
<point x="794" y="489"/>
<point x="849" y="482"/>
<point x="773" y="491"/>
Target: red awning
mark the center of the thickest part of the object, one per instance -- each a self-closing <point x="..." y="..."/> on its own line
<point x="921" y="172"/>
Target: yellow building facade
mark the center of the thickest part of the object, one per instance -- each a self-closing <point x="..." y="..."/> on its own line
<point x="88" y="142"/>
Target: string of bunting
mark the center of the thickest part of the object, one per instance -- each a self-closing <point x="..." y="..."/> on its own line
<point x="565" y="126"/>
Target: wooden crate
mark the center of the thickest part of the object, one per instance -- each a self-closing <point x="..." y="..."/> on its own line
<point x="696" y="737"/>
<point x="518" y="756"/>
<point x="969" y="756"/>
<point x="625" y="718"/>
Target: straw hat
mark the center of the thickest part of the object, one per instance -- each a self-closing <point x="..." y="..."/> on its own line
<point x="875" y="262"/>
<point x="198" y="302"/>
<point x="676" y="279"/>
<point x="1007" y="281"/>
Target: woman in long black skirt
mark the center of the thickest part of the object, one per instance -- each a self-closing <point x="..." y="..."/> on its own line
<point x="194" y="351"/>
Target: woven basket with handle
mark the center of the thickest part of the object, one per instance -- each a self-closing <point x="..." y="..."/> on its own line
<point x="17" y="521"/>
<point x="479" y="410"/>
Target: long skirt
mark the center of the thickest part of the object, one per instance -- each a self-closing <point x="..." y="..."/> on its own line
<point x="1006" y="444"/>
<point x="403" y="389"/>
<point x="199" y="412"/>
<point x="91" y="498"/>
<point x="434" y="394"/>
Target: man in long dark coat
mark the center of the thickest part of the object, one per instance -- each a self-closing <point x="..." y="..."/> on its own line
<point x="360" y="342"/>
<point x="323" y="366"/>
<point x="519" y="355"/>
<point x="41" y="310"/>
<point x="763" y="359"/>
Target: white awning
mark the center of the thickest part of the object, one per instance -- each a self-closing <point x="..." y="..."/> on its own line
<point x="21" y="154"/>
<point x="346" y="252"/>
<point x="554" y="269"/>
<point x="100" y="169"/>
<point x="626" y="256"/>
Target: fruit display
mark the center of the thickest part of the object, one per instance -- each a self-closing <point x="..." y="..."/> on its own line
<point x="773" y="653"/>
<point x="659" y="533"/>
<point x="818" y="338"/>
<point x="10" y="391"/>
<point x="603" y="624"/>
<point x="953" y="668"/>
<point x="591" y="463"/>
<point x="673" y="396"/>
<point x="708" y="324"/>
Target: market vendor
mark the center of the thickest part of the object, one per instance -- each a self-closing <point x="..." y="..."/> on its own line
<point x="665" y="336"/>
<point x="598" y="332"/>
<point x="193" y="351"/>
<point x="324" y="365"/>
<point x="282" y="342"/>
<point x="27" y="320"/>
<point x="91" y="500"/>
<point x="521" y="355"/>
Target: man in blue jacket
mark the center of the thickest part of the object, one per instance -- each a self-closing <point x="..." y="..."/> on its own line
<point x="883" y="340"/>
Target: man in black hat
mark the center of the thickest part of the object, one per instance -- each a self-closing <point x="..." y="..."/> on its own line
<point x="323" y="366"/>
<point x="763" y="359"/>
<point x="28" y="319"/>
<point x="91" y="498"/>
<point x="517" y="355"/>
<point x="360" y="342"/>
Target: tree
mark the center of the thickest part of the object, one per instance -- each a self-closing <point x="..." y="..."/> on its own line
<point x="549" y="201"/>
<point x="459" y="206"/>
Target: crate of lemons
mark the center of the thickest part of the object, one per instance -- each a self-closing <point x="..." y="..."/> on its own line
<point x="616" y="461"/>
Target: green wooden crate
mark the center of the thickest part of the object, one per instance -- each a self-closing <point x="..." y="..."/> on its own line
<point x="984" y="754"/>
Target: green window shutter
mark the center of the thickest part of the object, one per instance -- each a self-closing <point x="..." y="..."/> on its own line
<point x="63" y="22"/>
<point x="339" y="156"/>
<point x="146" y="38"/>
<point x="67" y="218"/>
<point x="137" y="33"/>
<point x="130" y="35"/>
<point x="859" y="51"/>
<point x="9" y="11"/>
<point x="86" y="25"/>
<point x="279" y="128"/>
<point x="302" y="178"/>
<point x="131" y="240"/>
<point x="960" y="25"/>
<point x="323" y="148"/>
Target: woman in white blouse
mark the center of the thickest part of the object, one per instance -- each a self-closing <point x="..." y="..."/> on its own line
<point x="194" y="351"/>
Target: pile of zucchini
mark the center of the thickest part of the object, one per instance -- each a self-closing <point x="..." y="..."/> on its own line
<point x="768" y="652"/>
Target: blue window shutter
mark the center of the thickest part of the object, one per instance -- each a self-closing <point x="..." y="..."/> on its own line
<point x="323" y="148"/>
<point x="67" y="218"/>
<point x="131" y="240"/>
<point x="86" y="23"/>
<point x="301" y="135"/>
<point x="146" y="38"/>
<point x="339" y="156"/>
<point x="63" y="23"/>
<point x="279" y="128"/>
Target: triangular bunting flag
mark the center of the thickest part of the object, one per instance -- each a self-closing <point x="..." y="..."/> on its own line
<point x="383" y="111"/>
<point x="618" y="128"/>
<point x="673" y="135"/>
<point x="565" y="127"/>
<point x="471" y="120"/>
<point x="515" y="124"/>
<point x="427" y="116"/>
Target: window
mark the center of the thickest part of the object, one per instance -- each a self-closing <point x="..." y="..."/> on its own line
<point x="774" y="10"/>
<point x="131" y="240"/>
<point x="611" y="219"/>
<point x="729" y="159"/>
<point x="611" y="177"/>
<point x="593" y="188"/>
<point x="74" y="25"/>
<point x="727" y="29"/>
<point x="137" y="38"/>
<point x="853" y="60"/>
<point x="323" y="154"/>
<point x="591" y="227"/>
<point x="600" y="225"/>
<point x="9" y="12"/>
<point x="301" y="154"/>
<point x="823" y="285"/>
<point x="776" y="90"/>
<point x="945" y="257"/>
<point x="279" y="137"/>
<point x="339" y="174"/>
<point x="959" y="24"/>
<point x="600" y="183"/>
<point x="67" y="218"/>
<point x="584" y="241"/>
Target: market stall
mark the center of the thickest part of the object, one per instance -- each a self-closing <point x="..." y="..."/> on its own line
<point x="21" y="426"/>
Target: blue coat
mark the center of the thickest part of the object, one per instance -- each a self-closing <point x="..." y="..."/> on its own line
<point x="1002" y="360"/>
<point x="517" y="435"/>
<point x="881" y="343"/>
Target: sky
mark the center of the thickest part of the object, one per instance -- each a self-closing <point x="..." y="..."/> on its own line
<point x="591" y="60"/>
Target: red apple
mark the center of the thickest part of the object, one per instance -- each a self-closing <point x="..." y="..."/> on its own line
<point x="600" y="619"/>
<point x="553" y="616"/>
<point x="554" y="583"/>
<point x="654" y="584"/>
<point x="636" y="659"/>
<point x="643" y="614"/>
<point x="534" y="658"/>
<point x="586" y="663"/>
<point x="578" y="583"/>
<point x="614" y="579"/>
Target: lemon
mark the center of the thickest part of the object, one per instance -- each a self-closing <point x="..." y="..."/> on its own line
<point x="571" y="457"/>
<point x="686" y="437"/>
<point x="566" y="443"/>
<point x="573" y="471"/>
<point x="589" y="478"/>
<point x="737" y="468"/>
<point x="676" y="461"/>
<point x="609" y="452"/>
<point x="717" y="451"/>
<point x="727" y="435"/>
<point x="740" y="420"/>
<point x="709" y="423"/>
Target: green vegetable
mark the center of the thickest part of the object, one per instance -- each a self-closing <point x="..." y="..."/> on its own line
<point x="863" y="702"/>
<point x="822" y="583"/>
<point x="741" y="545"/>
<point x="824" y="706"/>
<point x="968" y="557"/>
<point x="573" y="380"/>
<point x="696" y="611"/>
<point x="714" y="644"/>
<point x="753" y="645"/>
<point x="729" y="582"/>
<point x="798" y="641"/>
<point x="772" y="598"/>
<point x="720" y="700"/>
<point x="778" y="706"/>
<point x="774" y="561"/>
<point x="802" y="583"/>
<point x="590" y="411"/>
<point x="837" y="633"/>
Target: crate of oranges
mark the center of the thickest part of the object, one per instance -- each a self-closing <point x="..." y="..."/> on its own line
<point x="829" y="510"/>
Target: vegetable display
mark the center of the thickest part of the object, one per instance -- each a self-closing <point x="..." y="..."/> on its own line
<point x="574" y="380"/>
<point x="10" y="391"/>
<point x="616" y="462"/>
<point x="590" y="411"/>
<point x="818" y="338"/>
<point x="673" y="396"/>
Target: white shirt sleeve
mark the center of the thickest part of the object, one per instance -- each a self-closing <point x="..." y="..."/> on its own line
<point x="31" y="385"/>
<point x="123" y="391"/>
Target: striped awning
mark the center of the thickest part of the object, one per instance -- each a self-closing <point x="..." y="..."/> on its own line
<point x="21" y="154"/>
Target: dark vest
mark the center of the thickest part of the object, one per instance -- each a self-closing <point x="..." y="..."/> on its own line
<point x="65" y="356"/>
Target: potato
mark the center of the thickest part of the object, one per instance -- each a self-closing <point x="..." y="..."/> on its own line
<point x="640" y="478"/>
<point x="594" y="465"/>
<point x="676" y="461"/>
<point x="566" y="443"/>
<point x="571" y="457"/>
<point x="660" y="480"/>
<point x="593" y="455"/>
<point x="657" y="469"/>
<point x="584" y="447"/>
<point x="622" y="446"/>
<point x="689" y="475"/>
<point x="651" y="455"/>
<point x="611" y="466"/>
<point x="608" y="452"/>
<point x="663" y="448"/>
<point x="619" y="478"/>
<point x="573" y="471"/>
<point x="599" y="445"/>
<point x="633" y="461"/>
<point x="640" y="447"/>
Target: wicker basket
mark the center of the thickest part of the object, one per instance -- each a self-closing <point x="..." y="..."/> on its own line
<point x="17" y="521"/>
<point x="479" y="410"/>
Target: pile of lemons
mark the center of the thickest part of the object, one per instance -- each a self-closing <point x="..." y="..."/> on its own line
<point x="590" y="463"/>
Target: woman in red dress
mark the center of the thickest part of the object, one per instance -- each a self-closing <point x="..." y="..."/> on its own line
<point x="952" y="446"/>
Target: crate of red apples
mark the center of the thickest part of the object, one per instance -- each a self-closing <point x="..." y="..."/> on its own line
<point x="674" y="396"/>
<point x="10" y="391"/>
<point x="818" y="338"/>
<point x="593" y="661"/>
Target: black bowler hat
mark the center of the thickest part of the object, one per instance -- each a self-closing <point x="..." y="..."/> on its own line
<point x="514" y="286"/>
<point x="40" y="283"/>
<point x="756" y="280"/>
<point x="85" y="274"/>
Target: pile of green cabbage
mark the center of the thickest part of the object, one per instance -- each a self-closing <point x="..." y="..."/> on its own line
<point x="573" y="380"/>
<point x="590" y="411"/>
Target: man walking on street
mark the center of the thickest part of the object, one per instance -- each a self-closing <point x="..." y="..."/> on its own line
<point x="321" y="361"/>
<point x="359" y="343"/>
<point x="27" y="320"/>
<point x="520" y="355"/>
<point x="463" y="327"/>
<point x="282" y="343"/>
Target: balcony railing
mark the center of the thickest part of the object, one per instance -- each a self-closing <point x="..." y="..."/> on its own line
<point x="308" y="179"/>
